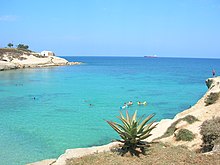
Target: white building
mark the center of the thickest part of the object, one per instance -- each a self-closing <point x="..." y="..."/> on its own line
<point x="47" y="53"/>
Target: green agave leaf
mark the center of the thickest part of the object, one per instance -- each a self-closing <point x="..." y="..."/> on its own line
<point x="148" y="125"/>
<point x="133" y="132"/>
<point x="122" y="115"/>
<point x="122" y="127"/>
<point x="134" y="124"/>
<point x="134" y="116"/>
<point x="139" y="119"/>
<point x="147" y="131"/>
<point x="140" y="127"/>
<point x="128" y="117"/>
<point x="113" y="125"/>
<point x="127" y="135"/>
<point x="146" y="136"/>
<point x="126" y="124"/>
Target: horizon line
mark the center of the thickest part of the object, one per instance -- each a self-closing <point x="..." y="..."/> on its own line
<point x="136" y="56"/>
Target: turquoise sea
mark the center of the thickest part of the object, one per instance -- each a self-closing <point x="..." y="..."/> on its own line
<point x="44" y="111"/>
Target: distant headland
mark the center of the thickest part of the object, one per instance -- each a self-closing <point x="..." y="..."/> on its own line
<point x="22" y="57"/>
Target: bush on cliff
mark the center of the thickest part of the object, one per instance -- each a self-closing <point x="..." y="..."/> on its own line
<point x="212" y="98"/>
<point x="190" y="119"/>
<point x="210" y="131"/>
<point x="170" y="130"/>
<point x="184" y="135"/>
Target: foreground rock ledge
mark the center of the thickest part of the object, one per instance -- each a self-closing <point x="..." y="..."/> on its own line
<point x="199" y="110"/>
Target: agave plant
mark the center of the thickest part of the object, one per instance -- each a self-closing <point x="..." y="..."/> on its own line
<point x="133" y="131"/>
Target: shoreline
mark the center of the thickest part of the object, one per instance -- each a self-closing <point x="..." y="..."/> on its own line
<point x="200" y="110"/>
<point x="20" y="59"/>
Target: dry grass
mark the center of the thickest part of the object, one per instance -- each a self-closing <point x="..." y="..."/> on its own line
<point x="14" y="53"/>
<point x="159" y="154"/>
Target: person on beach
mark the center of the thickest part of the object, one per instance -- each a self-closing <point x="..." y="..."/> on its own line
<point x="213" y="72"/>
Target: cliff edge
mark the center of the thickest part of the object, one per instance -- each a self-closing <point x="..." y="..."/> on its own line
<point x="205" y="109"/>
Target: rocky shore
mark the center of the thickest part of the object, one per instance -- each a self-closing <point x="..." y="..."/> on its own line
<point x="200" y="110"/>
<point x="17" y="59"/>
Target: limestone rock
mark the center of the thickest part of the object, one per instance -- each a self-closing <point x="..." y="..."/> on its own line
<point x="7" y="65"/>
<point x="213" y="82"/>
<point x="23" y="60"/>
<point x="44" y="162"/>
<point x="79" y="152"/>
<point x="216" y="148"/>
<point x="181" y="124"/>
<point x="58" y="61"/>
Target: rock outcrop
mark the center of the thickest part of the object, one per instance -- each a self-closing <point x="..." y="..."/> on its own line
<point x="16" y="59"/>
<point x="44" y="162"/>
<point x="4" y="65"/>
<point x="200" y="110"/>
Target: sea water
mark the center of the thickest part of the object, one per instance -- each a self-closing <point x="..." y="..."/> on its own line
<point x="44" y="111"/>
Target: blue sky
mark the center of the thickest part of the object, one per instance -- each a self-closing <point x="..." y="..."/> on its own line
<point x="168" y="28"/>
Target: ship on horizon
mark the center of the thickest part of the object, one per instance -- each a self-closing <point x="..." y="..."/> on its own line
<point x="151" y="56"/>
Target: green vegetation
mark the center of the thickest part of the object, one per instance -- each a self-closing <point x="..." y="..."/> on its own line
<point x="212" y="98"/>
<point x="210" y="131"/>
<point x="185" y="135"/>
<point x="22" y="46"/>
<point x="170" y="131"/>
<point x="10" y="45"/>
<point x="190" y="119"/>
<point x="133" y="131"/>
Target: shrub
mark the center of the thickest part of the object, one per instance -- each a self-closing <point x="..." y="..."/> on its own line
<point x="133" y="131"/>
<point x="210" y="131"/>
<point x="190" y="119"/>
<point x="212" y="98"/>
<point x="171" y="129"/>
<point x="10" y="45"/>
<point x="184" y="135"/>
<point x="22" y="46"/>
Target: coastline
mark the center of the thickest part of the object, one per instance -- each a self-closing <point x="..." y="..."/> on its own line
<point x="200" y="110"/>
<point x="19" y="59"/>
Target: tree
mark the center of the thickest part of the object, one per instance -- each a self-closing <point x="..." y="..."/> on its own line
<point x="10" y="45"/>
<point x="22" y="46"/>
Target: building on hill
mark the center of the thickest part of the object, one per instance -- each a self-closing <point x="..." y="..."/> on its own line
<point x="47" y="53"/>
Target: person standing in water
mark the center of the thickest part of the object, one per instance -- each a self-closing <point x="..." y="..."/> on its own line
<point x="213" y="72"/>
